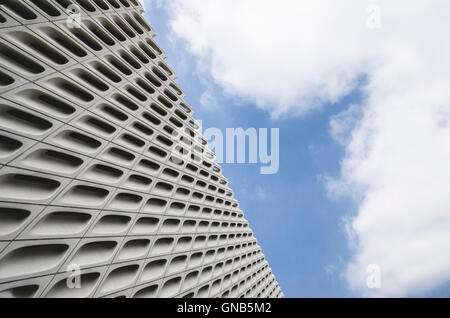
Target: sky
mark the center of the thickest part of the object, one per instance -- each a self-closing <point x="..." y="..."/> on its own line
<point x="359" y="91"/>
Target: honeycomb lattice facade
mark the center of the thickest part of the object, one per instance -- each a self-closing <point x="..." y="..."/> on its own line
<point x="91" y="188"/>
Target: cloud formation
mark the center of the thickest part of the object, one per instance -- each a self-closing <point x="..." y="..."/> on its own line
<point x="278" y="54"/>
<point x="296" y="56"/>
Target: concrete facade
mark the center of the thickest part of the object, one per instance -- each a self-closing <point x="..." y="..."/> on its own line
<point x="94" y="200"/>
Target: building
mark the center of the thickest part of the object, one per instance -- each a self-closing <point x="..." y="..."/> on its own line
<point x="97" y="197"/>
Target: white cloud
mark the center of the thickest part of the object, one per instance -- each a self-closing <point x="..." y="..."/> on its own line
<point x="275" y="53"/>
<point x="295" y="56"/>
<point x="398" y="158"/>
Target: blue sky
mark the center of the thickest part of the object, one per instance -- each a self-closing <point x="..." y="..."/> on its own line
<point x="294" y="221"/>
<point x="299" y="225"/>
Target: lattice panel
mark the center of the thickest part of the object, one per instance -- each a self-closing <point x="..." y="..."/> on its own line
<point x="89" y="171"/>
